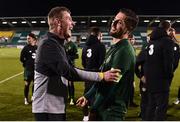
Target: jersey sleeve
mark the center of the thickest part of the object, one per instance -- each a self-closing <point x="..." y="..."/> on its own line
<point x="168" y="55"/>
<point x="121" y="60"/>
<point x="23" y="56"/>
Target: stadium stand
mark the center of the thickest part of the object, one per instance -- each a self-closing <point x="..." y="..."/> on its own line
<point x="19" y="37"/>
<point x="15" y="29"/>
<point x="5" y="36"/>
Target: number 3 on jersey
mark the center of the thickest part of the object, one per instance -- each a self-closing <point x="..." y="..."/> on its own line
<point x="33" y="55"/>
<point x="89" y="53"/>
<point x="151" y="49"/>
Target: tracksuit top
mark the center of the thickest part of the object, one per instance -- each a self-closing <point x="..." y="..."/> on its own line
<point x="159" y="62"/>
<point x="107" y="95"/>
<point x="93" y="53"/>
<point x="51" y="71"/>
<point x="27" y="56"/>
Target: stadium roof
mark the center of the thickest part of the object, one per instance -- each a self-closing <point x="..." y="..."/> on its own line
<point x="81" y="21"/>
<point x="19" y="8"/>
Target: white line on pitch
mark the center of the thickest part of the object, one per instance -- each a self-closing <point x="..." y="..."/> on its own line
<point x="2" y="81"/>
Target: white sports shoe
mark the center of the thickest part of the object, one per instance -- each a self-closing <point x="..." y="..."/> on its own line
<point x="26" y="101"/>
<point x="32" y="98"/>
<point x="86" y="118"/>
<point x="71" y="102"/>
<point x="176" y="102"/>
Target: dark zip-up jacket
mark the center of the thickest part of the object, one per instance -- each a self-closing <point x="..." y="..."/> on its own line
<point x="176" y="55"/>
<point x="51" y="71"/>
<point x="159" y="61"/>
<point x="93" y="53"/>
<point x="27" y="56"/>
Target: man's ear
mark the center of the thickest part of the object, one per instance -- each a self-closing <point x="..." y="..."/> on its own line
<point x="57" y="22"/>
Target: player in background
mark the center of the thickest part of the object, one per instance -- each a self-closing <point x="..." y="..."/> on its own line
<point x="172" y="34"/>
<point x="158" y="71"/>
<point x="131" y="102"/>
<point x="27" y="58"/>
<point x="93" y="55"/>
<point x="72" y="54"/>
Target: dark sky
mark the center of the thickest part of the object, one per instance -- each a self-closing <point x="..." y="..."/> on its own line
<point x="13" y="8"/>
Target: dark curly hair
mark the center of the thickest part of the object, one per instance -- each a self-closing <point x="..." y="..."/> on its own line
<point x="131" y="19"/>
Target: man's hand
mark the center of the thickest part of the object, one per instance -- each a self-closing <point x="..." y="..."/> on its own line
<point x="143" y="79"/>
<point x="112" y="75"/>
<point x="82" y="101"/>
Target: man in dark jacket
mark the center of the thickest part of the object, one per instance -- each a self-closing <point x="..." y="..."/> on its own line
<point x="139" y="70"/>
<point x="93" y="55"/>
<point x="172" y="34"/>
<point x="52" y="67"/>
<point x="159" y="71"/>
<point x="27" y="58"/>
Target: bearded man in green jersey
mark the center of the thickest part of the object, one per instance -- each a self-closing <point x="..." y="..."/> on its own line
<point x="111" y="99"/>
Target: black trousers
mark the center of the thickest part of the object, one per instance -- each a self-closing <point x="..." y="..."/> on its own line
<point x="49" y="117"/>
<point x="179" y="93"/>
<point x="132" y="93"/>
<point x="144" y="99"/>
<point x="157" y="106"/>
<point x="143" y="104"/>
<point x="71" y="89"/>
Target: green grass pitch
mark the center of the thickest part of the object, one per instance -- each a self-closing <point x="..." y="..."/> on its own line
<point x="12" y="106"/>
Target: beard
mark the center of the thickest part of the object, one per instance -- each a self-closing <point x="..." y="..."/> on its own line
<point x="116" y="34"/>
<point x="67" y="34"/>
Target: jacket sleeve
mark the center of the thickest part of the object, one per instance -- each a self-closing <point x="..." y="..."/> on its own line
<point x="56" y="61"/>
<point x="140" y="60"/>
<point x="102" y="53"/>
<point x="99" y="98"/>
<point x="83" y="58"/>
<point x="91" y="91"/>
<point x="168" y="55"/>
<point x="176" y="56"/>
<point x="22" y="56"/>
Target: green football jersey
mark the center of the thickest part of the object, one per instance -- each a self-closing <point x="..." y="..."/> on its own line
<point x="115" y="95"/>
<point x="72" y="51"/>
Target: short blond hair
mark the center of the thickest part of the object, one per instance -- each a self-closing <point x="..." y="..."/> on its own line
<point x="56" y="12"/>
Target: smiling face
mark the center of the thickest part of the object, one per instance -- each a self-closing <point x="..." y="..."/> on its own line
<point x="60" y="22"/>
<point x="66" y="25"/>
<point x="118" y="26"/>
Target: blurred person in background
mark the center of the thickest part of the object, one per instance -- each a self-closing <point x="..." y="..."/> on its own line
<point x="139" y="71"/>
<point x="52" y="69"/>
<point x="131" y="102"/>
<point x="172" y="34"/>
<point x="72" y="54"/>
<point x="159" y="71"/>
<point x="93" y="55"/>
<point x="27" y="58"/>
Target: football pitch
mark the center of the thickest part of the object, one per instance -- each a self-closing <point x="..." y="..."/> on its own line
<point x="12" y="106"/>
